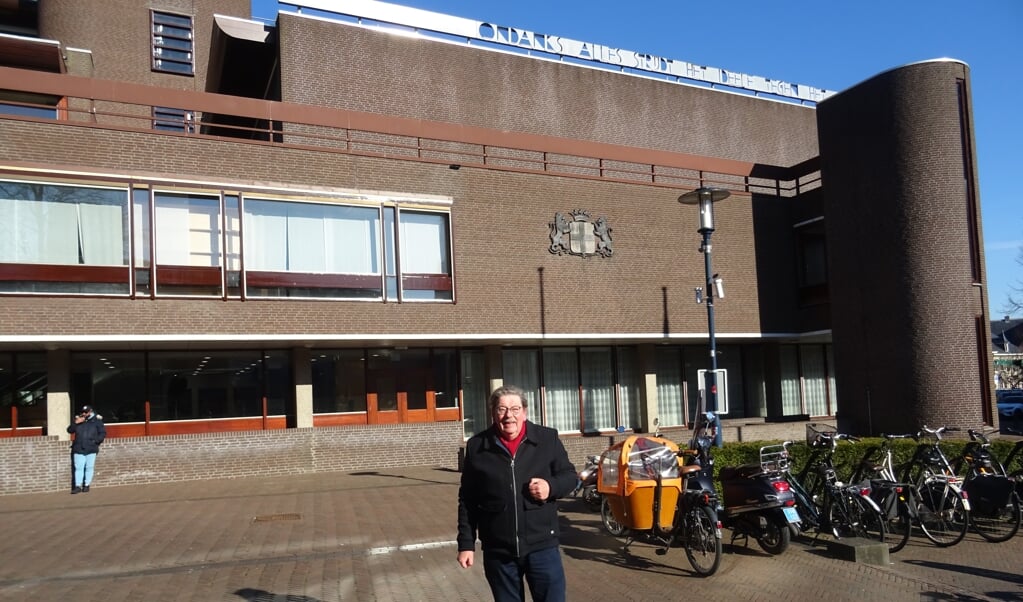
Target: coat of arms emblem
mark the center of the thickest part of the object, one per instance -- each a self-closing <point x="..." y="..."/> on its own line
<point x="579" y="234"/>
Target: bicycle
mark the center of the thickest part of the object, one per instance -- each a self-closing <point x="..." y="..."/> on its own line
<point x="898" y="501"/>
<point x="943" y="508"/>
<point x="842" y="510"/>
<point x="994" y="504"/>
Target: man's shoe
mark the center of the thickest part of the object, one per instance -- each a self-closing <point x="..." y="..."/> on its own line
<point x="85" y="489"/>
<point x="76" y="490"/>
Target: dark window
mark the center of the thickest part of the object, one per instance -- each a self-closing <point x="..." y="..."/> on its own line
<point x="172" y="43"/>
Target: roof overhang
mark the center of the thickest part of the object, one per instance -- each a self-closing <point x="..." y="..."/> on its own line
<point x="31" y="53"/>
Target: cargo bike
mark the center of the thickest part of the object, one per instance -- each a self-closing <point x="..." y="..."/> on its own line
<point x="647" y="495"/>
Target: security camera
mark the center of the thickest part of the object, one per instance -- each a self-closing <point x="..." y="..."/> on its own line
<point x="719" y="288"/>
<point x="699" y="294"/>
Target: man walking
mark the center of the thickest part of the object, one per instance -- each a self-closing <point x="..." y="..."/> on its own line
<point x="89" y="433"/>
<point x="512" y="476"/>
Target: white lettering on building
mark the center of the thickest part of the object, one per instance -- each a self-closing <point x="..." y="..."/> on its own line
<point x="565" y="47"/>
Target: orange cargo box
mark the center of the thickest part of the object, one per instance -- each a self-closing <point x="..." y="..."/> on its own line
<point x="628" y="475"/>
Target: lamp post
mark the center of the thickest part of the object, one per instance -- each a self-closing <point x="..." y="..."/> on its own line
<point x="705" y="197"/>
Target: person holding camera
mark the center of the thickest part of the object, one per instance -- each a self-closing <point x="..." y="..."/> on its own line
<point x="89" y="433"/>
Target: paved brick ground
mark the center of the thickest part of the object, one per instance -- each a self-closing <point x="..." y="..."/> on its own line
<point x="388" y="536"/>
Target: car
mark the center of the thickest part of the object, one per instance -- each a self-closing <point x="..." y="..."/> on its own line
<point x="1010" y="404"/>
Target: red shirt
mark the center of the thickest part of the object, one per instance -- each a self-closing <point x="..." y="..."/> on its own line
<point x="513" y="444"/>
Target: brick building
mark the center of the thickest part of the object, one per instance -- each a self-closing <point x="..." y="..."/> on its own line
<point x="328" y="235"/>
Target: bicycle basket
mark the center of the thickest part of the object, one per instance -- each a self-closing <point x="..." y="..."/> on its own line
<point x="817" y="433"/>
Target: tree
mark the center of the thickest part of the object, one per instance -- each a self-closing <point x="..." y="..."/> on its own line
<point x="1014" y="301"/>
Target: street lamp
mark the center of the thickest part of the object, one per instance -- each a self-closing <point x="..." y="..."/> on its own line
<point x="705" y="197"/>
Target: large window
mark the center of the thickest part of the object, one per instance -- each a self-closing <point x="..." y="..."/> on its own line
<point x="173" y="46"/>
<point x="214" y="243"/>
<point x="181" y="385"/>
<point x="63" y="225"/>
<point x="63" y="239"/>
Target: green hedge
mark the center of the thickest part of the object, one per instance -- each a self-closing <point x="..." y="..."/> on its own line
<point x="847" y="454"/>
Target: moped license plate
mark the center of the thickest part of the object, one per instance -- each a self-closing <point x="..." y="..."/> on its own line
<point x="966" y="504"/>
<point x="790" y="514"/>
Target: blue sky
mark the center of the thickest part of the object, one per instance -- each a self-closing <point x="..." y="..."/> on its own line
<point x="833" y="45"/>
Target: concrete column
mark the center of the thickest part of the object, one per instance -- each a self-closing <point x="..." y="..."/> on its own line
<point x="58" y="393"/>
<point x="301" y="368"/>
<point x="648" y="384"/>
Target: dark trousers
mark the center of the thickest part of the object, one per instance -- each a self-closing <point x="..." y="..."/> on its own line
<point x="542" y="571"/>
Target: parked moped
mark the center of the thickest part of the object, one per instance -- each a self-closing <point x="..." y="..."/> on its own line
<point x="756" y="501"/>
<point x="586" y="486"/>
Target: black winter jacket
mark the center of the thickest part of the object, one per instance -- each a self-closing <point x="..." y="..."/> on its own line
<point x="493" y="499"/>
<point x="88" y="435"/>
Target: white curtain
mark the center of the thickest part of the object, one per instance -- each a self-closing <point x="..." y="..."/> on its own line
<point x="814" y="384"/>
<point x="598" y="388"/>
<point x="832" y="387"/>
<point x="64" y="225"/>
<point x="313" y="238"/>
<point x="101" y="228"/>
<point x="791" y="403"/>
<point x="629" y="390"/>
<point x="561" y="387"/>
<point x="424" y="243"/>
<point x="669" y="386"/>
<point x="520" y="369"/>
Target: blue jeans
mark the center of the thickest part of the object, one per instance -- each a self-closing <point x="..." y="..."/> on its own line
<point x="84" y="468"/>
<point x="541" y="569"/>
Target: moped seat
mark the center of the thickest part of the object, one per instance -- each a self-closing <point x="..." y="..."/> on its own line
<point x="744" y="471"/>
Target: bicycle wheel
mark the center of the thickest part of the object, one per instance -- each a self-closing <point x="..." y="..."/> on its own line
<point x="849" y="515"/>
<point x="898" y="521"/>
<point x="607" y="518"/>
<point x="943" y="519"/>
<point x="702" y="540"/>
<point x="997" y="524"/>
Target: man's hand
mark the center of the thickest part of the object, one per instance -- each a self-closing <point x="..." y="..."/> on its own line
<point x="465" y="558"/>
<point x="539" y="489"/>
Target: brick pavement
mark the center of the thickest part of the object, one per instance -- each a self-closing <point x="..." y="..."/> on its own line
<point x="388" y="536"/>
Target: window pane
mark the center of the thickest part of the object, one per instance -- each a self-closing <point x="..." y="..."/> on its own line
<point x="424" y="243"/>
<point x="413" y="376"/>
<point x="561" y="385"/>
<point x="113" y="383"/>
<point x="598" y="389"/>
<point x="629" y="388"/>
<point x="811" y="359"/>
<point x="832" y="387"/>
<point x="791" y="402"/>
<point x="445" y="378"/>
<point x="189" y="230"/>
<point x="339" y="381"/>
<point x="194" y="384"/>
<point x="23" y="385"/>
<point x="521" y="370"/>
<point x="65" y="225"/>
<point x="307" y="237"/>
<point x="476" y="416"/>
<point x="382" y="378"/>
<point x="669" y="386"/>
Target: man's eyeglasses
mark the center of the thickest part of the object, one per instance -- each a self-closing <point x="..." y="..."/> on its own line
<point x="503" y="411"/>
